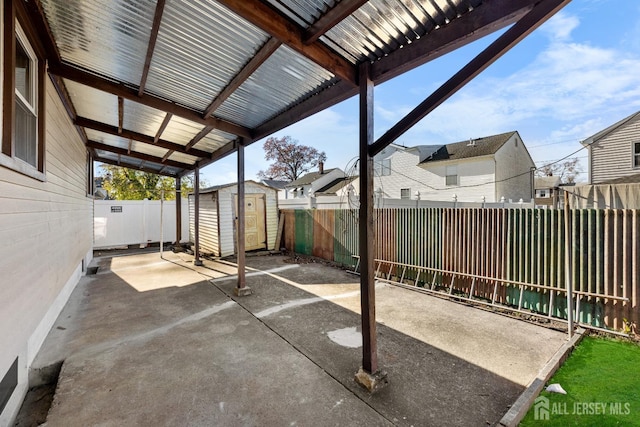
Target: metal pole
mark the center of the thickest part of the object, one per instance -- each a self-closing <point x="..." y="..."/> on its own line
<point x="567" y="261"/>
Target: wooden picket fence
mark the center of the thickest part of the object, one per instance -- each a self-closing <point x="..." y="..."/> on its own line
<point x="512" y="245"/>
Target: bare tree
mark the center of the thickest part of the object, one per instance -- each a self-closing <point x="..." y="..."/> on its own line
<point x="291" y="159"/>
<point x="567" y="171"/>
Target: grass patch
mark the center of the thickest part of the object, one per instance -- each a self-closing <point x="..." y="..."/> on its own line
<point x="601" y="375"/>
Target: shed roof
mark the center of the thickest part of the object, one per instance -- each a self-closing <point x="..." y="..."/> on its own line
<point x="470" y="148"/>
<point x="175" y="85"/>
<point x="232" y="184"/>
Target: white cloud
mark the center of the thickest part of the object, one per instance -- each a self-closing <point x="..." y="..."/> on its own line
<point x="560" y="26"/>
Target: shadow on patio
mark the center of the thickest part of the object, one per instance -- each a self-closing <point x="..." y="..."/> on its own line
<point x="148" y="341"/>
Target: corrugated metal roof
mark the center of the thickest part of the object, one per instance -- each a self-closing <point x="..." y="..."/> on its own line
<point x="92" y="103"/>
<point x="259" y="98"/>
<point x="201" y="46"/>
<point x="105" y="138"/>
<point x="108" y="37"/>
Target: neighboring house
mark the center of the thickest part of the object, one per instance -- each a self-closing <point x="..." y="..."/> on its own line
<point x="614" y="153"/>
<point x="279" y="186"/>
<point x="547" y="191"/>
<point x="313" y="181"/>
<point x="489" y="168"/>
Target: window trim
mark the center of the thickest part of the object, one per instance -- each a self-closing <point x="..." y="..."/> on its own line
<point x="408" y="191"/>
<point x="17" y="26"/>
<point x="635" y="155"/>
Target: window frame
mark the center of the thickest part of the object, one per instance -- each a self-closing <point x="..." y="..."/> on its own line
<point x="447" y="175"/>
<point x="18" y="27"/>
<point x="408" y="192"/>
<point x="635" y="155"/>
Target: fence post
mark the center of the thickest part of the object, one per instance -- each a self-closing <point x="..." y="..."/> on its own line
<point x="567" y="262"/>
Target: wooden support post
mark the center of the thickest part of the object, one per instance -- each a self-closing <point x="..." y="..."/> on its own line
<point x="178" y="211"/>
<point x="241" y="288"/>
<point x="196" y="217"/>
<point x="368" y="376"/>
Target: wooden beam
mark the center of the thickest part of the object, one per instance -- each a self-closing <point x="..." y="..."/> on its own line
<point x="240" y="222"/>
<point x="130" y="144"/>
<point x="157" y="18"/>
<point x="163" y="126"/>
<point x="167" y="155"/>
<point x="120" y="113"/>
<point x="271" y="22"/>
<point x="120" y="158"/>
<point x="330" y="19"/>
<point x="147" y="157"/>
<point x="9" y="78"/>
<point x="178" y="210"/>
<point x="131" y="166"/>
<point x="204" y="132"/>
<point x="112" y="130"/>
<point x="258" y="59"/>
<point x="323" y="100"/>
<point x="224" y="151"/>
<point x="366" y="227"/>
<point x="456" y="34"/>
<point x="481" y="21"/>
<point x="120" y="89"/>
<point x="532" y="20"/>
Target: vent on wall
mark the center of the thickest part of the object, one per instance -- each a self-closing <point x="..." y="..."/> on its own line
<point x="8" y="384"/>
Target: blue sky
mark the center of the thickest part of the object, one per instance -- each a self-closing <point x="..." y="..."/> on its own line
<point x="574" y="76"/>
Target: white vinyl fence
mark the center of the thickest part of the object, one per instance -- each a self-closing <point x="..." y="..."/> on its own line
<point x="131" y="222"/>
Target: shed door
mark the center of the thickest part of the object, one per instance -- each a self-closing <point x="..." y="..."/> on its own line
<point x="254" y="221"/>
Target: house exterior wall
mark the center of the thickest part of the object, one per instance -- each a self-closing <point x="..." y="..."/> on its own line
<point x="46" y="234"/>
<point x="611" y="156"/>
<point x="218" y="238"/>
<point x="514" y="176"/>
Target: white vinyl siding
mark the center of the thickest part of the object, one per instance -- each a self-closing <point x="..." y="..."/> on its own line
<point x="612" y="156"/>
<point x="46" y="234"/>
<point x="514" y="176"/>
<point x="217" y="223"/>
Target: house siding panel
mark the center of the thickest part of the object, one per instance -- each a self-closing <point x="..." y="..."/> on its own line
<point x="46" y="231"/>
<point x="514" y="176"/>
<point x="611" y="156"/>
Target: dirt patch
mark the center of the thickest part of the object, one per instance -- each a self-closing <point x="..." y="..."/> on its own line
<point x="36" y="406"/>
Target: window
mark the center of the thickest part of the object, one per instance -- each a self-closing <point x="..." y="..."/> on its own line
<point x="382" y="167"/>
<point x="452" y="175"/>
<point x="405" y="193"/>
<point x="23" y="94"/>
<point x="636" y="154"/>
<point x="542" y="193"/>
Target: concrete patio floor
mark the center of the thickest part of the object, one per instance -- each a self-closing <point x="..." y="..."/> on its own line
<point x="150" y="341"/>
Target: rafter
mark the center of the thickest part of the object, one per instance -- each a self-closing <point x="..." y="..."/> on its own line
<point x="112" y="130"/>
<point x="532" y="20"/>
<point x="120" y="113"/>
<point x="134" y="166"/>
<point x="224" y="151"/>
<point x="120" y="89"/>
<point x="261" y="55"/>
<point x="486" y="18"/>
<point x="163" y="126"/>
<point x="204" y="132"/>
<point x="483" y="20"/>
<point x="157" y="18"/>
<point x="124" y="152"/>
<point x="330" y="19"/>
<point x="271" y="22"/>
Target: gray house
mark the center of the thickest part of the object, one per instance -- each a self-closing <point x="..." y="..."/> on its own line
<point x="614" y="153"/>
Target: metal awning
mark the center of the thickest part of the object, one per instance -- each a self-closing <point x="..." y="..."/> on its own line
<point x="169" y="85"/>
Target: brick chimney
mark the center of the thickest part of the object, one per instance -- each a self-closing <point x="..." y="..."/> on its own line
<point x="321" y="167"/>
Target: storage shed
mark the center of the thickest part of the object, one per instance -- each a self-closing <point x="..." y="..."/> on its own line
<point x="218" y="207"/>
